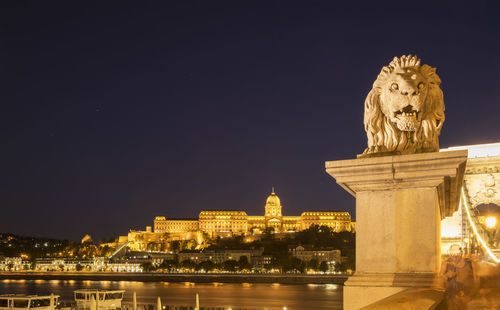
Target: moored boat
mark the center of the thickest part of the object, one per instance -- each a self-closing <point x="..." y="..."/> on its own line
<point x="20" y="301"/>
<point x="89" y="299"/>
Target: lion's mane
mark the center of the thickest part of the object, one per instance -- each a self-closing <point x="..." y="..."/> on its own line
<point x="384" y="135"/>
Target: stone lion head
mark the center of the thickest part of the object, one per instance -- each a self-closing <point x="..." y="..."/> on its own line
<point x="404" y="111"/>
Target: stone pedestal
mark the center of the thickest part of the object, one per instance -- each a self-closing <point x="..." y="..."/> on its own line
<point x="400" y="201"/>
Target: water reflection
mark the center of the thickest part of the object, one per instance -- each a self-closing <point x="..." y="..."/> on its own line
<point x="237" y="295"/>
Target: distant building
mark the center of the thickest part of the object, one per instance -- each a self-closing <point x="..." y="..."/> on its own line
<point x="222" y="255"/>
<point x="229" y="222"/>
<point x="176" y="225"/>
<point x="196" y="256"/>
<point x="12" y="264"/>
<point x="141" y="240"/>
<point x="223" y="222"/>
<point x="219" y="255"/>
<point x="307" y="253"/>
<point x="95" y="264"/>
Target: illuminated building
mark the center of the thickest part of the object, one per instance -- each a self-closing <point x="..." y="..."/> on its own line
<point x="223" y="222"/>
<point x="139" y="240"/>
<point x="307" y="253"/>
<point x="95" y="264"/>
<point x="229" y="222"/>
<point x="338" y="221"/>
<point x="161" y="224"/>
<point x="12" y="264"/>
<point x="219" y="256"/>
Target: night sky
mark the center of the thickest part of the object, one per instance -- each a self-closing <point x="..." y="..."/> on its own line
<point x="115" y="112"/>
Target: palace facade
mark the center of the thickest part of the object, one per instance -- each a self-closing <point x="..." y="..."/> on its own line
<point x="229" y="222"/>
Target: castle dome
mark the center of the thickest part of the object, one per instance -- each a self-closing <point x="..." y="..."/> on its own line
<point x="273" y="199"/>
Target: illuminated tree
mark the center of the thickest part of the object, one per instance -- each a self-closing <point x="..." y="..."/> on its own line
<point x="243" y="263"/>
<point x="313" y="264"/>
<point x="296" y="265"/>
<point x="323" y="266"/>
<point x="175" y="246"/>
<point x="230" y="265"/>
<point x="188" y="264"/>
<point x="190" y="244"/>
<point x="169" y="265"/>
<point x="147" y="267"/>
<point x="206" y="266"/>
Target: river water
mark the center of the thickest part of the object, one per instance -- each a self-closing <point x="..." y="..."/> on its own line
<point x="227" y="295"/>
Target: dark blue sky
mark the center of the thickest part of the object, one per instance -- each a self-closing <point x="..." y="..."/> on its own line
<point x="115" y="112"/>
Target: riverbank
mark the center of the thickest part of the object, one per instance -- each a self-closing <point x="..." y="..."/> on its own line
<point x="177" y="277"/>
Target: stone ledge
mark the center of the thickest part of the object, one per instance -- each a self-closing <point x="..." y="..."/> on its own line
<point x="443" y="170"/>
<point x="392" y="280"/>
<point x="414" y="299"/>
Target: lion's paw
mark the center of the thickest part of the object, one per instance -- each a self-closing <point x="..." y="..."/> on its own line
<point x="374" y="149"/>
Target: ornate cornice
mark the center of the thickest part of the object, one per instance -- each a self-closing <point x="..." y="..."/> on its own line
<point x="483" y="165"/>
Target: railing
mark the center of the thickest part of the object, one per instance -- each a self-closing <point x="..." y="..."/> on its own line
<point x="141" y="306"/>
<point x="118" y="250"/>
<point x="415" y="299"/>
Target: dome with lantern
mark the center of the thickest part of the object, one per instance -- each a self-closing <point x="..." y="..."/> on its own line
<point x="273" y="199"/>
<point x="273" y="205"/>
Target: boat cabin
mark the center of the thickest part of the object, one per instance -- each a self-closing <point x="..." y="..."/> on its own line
<point x="88" y="299"/>
<point x="19" y="301"/>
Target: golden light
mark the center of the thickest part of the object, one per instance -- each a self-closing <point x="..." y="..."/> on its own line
<point x="466" y="240"/>
<point x="477" y="150"/>
<point x="478" y="236"/>
<point x="491" y="221"/>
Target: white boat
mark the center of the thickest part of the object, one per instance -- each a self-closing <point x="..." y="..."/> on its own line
<point x="19" y="301"/>
<point x="88" y="299"/>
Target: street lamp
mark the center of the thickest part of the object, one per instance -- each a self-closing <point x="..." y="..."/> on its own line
<point x="467" y="247"/>
<point x="489" y="212"/>
<point x="491" y="223"/>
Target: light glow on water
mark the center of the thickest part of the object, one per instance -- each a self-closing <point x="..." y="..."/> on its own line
<point x="235" y="295"/>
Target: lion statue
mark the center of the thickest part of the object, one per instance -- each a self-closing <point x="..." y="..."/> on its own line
<point x="404" y="111"/>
